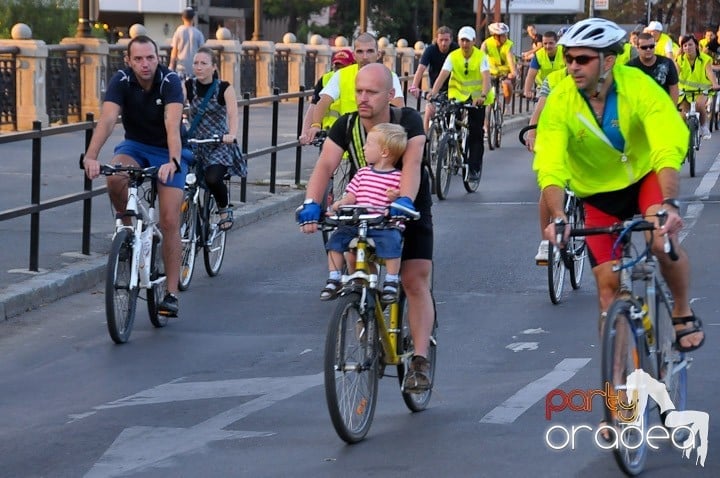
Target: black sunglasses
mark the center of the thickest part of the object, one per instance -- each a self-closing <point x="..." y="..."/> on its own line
<point x="647" y="47"/>
<point x="466" y="67"/>
<point x="580" y="59"/>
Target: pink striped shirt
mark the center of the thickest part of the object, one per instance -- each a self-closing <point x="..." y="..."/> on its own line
<point x="370" y="186"/>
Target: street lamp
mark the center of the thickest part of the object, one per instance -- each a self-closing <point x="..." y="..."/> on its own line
<point x="83" y="27"/>
<point x="257" y="11"/>
<point x="363" y="16"/>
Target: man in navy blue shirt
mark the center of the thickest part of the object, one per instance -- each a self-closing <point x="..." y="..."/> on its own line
<point x="432" y="59"/>
<point x="150" y="98"/>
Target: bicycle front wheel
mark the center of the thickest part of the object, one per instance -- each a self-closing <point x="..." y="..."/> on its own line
<point x="555" y="273"/>
<point x="622" y="354"/>
<point x="491" y="119"/>
<point x="577" y="247"/>
<point x="120" y="300"/>
<point x="444" y="167"/>
<point x="157" y="291"/>
<point x="416" y="402"/>
<point x="214" y="238"/>
<point x="672" y="364"/>
<point x="692" y="150"/>
<point x="497" y="129"/>
<point x="188" y="239"/>
<point x="351" y="368"/>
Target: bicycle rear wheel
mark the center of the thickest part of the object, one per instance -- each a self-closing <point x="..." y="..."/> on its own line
<point x="672" y="364"/>
<point x="351" y="368"/>
<point x="189" y="241"/>
<point x="120" y="300"/>
<point x="214" y="238"/>
<point x="622" y="354"/>
<point x="433" y="141"/>
<point x="471" y="185"/>
<point x="556" y="274"/>
<point x="576" y="247"/>
<point x="444" y="167"/>
<point x="416" y="402"/>
<point x="157" y="291"/>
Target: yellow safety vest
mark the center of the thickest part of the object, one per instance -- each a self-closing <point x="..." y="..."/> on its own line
<point x="660" y="45"/>
<point x="463" y="86"/>
<point x="347" y="88"/>
<point x="497" y="56"/>
<point x="692" y="76"/>
<point x="626" y="55"/>
<point x="333" y="112"/>
<point x="547" y="65"/>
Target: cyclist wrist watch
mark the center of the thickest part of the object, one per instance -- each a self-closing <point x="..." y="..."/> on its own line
<point x="672" y="202"/>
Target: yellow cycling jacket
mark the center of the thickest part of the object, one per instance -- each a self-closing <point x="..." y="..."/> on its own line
<point x="693" y="76"/>
<point x="497" y="56"/>
<point x="572" y="149"/>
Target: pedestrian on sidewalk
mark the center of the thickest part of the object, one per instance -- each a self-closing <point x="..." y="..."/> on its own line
<point x="186" y="41"/>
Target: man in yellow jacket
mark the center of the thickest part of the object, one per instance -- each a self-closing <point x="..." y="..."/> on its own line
<point x="600" y="137"/>
<point x="469" y="73"/>
<point x="547" y="59"/>
<point x="498" y="48"/>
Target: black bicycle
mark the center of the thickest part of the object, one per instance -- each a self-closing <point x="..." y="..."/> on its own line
<point x="200" y="223"/>
<point x="454" y="150"/>
<point x="572" y="258"/>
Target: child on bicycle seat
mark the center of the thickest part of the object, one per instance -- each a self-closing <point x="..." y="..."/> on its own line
<point x="377" y="184"/>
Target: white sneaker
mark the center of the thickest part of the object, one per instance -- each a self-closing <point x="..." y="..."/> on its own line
<point x="542" y="254"/>
<point x="705" y="133"/>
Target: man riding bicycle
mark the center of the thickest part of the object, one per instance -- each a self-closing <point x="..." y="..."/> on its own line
<point x="599" y="133"/>
<point x="374" y="92"/>
<point x="500" y="56"/>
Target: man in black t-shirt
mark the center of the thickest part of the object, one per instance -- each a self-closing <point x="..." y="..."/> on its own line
<point x="660" y="68"/>
<point x="432" y="60"/>
<point x="373" y="92"/>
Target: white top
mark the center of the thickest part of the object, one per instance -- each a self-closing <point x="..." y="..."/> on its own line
<point x="484" y="65"/>
<point x="332" y="89"/>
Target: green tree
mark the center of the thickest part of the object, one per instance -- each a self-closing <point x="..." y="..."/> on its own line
<point x="297" y="12"/>
<point x="49" y="20"/>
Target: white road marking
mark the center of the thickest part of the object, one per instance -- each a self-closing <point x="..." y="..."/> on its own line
<point x="142" y="447"/>
<point x="518" y="346"/>
<point x="534" y="331"/>
<point x="508" y="411"/>
<point x="707" y="183"/>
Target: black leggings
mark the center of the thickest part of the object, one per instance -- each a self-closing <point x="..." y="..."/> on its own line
<point x="214" y="175"/>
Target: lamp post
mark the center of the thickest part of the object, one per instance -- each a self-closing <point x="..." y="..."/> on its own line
<point x="435" y="18"/>
<point x="257" y="24"/>
<point x="83" y="27"/>
<point x="363" y="16"/>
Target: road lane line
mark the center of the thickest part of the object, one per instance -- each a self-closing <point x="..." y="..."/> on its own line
<point x="526" y="397"/>
<point x="707" y="183"/>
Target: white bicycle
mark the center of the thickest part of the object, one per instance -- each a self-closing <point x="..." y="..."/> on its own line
<point x="135" y="259"/>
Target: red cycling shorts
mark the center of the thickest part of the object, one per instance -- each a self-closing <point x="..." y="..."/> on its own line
<point x="605" y="209"/>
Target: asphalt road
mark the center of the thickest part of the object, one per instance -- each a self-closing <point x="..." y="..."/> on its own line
<point x="234" y="386"/>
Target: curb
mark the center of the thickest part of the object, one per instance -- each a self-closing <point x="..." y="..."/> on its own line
<point x="33" y="293"/>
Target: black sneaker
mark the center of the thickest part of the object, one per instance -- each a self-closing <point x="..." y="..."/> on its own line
<point x="169" y="306"/>
<point x="417" y="379"/>
<point x="473" y="176"/>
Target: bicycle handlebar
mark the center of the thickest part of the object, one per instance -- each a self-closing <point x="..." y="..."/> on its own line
<point x="319" y="138"/>
<point x="353" y="214"/>
<point x="631" y="225"/>
<point x="216" y="139"/>
<point x="524" y="131"/>
<point x="110" y="169"/>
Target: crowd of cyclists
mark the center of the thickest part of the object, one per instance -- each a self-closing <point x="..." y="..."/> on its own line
<point x="596" y="133"/>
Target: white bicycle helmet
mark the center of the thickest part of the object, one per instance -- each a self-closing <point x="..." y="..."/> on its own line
<point x="596" y="33"/>
<point x="498" y="29"/>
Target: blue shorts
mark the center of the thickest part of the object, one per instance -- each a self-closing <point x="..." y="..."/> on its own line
<point x="146" y="156"/>
<point x="388" y="242"/>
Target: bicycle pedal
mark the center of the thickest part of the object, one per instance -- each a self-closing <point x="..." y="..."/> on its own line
<point x="541" y="263"/>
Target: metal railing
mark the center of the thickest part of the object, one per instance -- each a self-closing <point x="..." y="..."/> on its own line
<point x="62" y="83"/>
<point x="36" y="205"/>
<point x="8" y="86"/>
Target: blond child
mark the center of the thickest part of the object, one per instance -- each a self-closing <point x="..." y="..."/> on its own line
<point x="377" y="184"/>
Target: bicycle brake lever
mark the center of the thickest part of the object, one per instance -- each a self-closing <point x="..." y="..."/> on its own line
<point x="668" y="246"/>
<point x="559" y="230"/>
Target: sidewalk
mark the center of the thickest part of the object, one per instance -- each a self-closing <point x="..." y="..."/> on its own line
<point x="65" y="273"/>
